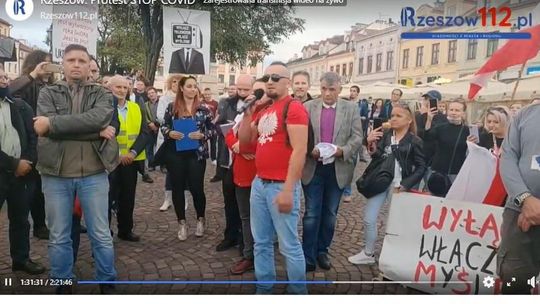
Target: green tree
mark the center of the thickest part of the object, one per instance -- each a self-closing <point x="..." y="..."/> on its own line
<point x="120" y="45"/>
<point x="239" y="33"/>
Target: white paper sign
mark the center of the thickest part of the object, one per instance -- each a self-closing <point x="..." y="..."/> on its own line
<point x="186" y="41"/>
<point x="78" y="25"/>
<point x="443" y="246"/>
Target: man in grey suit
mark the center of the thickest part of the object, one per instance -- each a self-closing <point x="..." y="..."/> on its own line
<point x="187" y="61"/>
<point x="335" y="121"/>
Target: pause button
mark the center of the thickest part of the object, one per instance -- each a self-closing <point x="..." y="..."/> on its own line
<point x="8" y="282"/>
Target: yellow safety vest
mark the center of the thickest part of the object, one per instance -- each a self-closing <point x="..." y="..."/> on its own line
<point x="129" y="129"/>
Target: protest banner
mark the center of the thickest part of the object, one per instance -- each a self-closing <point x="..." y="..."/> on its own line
<point x="78" y="25"/>
<point x="441" y="246"/>
<point x="186" y="41"/>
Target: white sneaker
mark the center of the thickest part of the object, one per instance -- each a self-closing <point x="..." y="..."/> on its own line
<point x="214" y="163"/>
<point x="167" y="202"/>
<point x="200" y="227"/>
<point x="183" y="231"/>
<point x="362" y="258"/>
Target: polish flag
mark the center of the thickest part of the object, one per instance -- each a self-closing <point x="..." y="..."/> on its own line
<point x="514" y="52"/>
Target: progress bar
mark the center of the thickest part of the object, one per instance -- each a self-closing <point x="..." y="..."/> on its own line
<point x="262" y="282"/>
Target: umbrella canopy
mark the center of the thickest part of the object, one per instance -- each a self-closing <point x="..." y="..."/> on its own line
<point x="7" y="49"/>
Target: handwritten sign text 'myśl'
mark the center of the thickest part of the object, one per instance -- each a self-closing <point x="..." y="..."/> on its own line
<point x="448" y="247"/>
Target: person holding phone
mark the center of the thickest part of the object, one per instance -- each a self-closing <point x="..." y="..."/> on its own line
<point x="376" y="109"/>
<point x="402" y="143"/>
<point x="35" y="75"/>
<point x="431" y="102"/>
<point x="496" y="123"/>
<point x="450" y="142"/>
<point x="187" y="165"/>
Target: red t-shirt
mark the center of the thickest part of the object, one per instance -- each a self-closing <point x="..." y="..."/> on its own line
<point x="273" y="152"/>
<point x="244" y="170"/>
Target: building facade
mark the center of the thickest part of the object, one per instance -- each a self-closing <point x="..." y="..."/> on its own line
<point x="376" y="55"/>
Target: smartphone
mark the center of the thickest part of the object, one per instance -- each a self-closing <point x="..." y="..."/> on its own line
<point x="473" y="131"/>
<point x="432" y="104"/>
<point x="53" y="68"/>
<point x="377" y="123"/>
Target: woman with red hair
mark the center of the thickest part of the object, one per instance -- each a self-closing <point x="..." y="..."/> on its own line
<point x="187" y="166"/>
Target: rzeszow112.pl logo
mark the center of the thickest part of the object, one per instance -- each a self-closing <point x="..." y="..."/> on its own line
<point x="19" y="10"/>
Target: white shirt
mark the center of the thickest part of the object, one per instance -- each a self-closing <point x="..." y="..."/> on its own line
<point x="329" y="106"/>
<point x="9" y="138"/>
<point x="397" y="168"/>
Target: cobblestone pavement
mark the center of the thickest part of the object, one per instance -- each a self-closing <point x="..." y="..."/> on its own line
<point x="161" y="256"/>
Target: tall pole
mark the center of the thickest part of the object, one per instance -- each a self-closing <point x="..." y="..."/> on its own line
<point x="519" y="78"/>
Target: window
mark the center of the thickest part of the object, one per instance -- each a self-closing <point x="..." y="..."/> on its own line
<point x="492" y="45"/>
<point x="471" y="49"/>
<point x="344" y="67"/>
<point x="331" y="68"/>
<point x="419" y="56"/>
<point x="435" y="48"/>
<point x="390" y="60"/>
<point x="221" y="78"/>
<point x="451" y="10"/>
<point x="351" y="65"/>
<point x="231" y="80"/>
<point x="378" y="64"/>
<point x="337" y="69"/>
<point x="405" y="58"/>
<point x="369" y="64"/>
<point x="452" y="48"/>
<point x="361" y="65"/>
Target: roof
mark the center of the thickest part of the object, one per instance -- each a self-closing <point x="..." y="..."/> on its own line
<point x="2" y="21"/>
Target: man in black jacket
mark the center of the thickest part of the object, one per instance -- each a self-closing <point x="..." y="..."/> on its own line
<point x="26" y="87"/>
<point x="17" y="156"/>
<point x="228" y="109"/>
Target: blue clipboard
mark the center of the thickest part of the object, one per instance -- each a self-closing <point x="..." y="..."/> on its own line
<point x="186" y="126"/>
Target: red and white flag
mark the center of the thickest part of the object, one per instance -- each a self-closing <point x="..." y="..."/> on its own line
<point x="514" y="52"/>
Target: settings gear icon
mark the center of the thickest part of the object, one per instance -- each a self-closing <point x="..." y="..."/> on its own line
<point x="489" y="282"/>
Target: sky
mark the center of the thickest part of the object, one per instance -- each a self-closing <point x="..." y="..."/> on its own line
<point x="321" y="23"/>
<point x="325" y="22"/>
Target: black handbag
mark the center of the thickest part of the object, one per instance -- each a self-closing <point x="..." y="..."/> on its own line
<point x="378" y="175"/>
<point x="439" y="183"/>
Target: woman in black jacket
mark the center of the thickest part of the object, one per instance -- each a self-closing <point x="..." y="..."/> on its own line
<point x="401" y="143"/>
<point x="450" y="140"/>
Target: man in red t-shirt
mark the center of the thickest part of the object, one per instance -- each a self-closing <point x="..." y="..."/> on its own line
<point x="275" y="196"/>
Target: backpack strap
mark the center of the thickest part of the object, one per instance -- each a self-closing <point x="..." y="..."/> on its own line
<point x="284" y="124"/>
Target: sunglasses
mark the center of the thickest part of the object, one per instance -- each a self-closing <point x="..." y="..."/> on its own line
<point x="498" y="109"/>
<point x="274" y="77"/>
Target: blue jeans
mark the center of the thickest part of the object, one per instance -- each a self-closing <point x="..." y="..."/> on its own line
<point x="266" y="220"/>
<point x="371" y="213"/>
<point x="347" y="191"/>
<point x="322" y="202"/>
<point x="93" y="193"/>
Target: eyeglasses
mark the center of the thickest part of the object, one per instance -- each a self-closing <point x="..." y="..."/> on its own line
<point x="274" y="77"/>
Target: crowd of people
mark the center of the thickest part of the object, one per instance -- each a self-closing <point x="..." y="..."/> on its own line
<point x="72" y="150"/>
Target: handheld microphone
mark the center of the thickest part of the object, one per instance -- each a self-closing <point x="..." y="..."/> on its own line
<point x="259" y="93"/>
